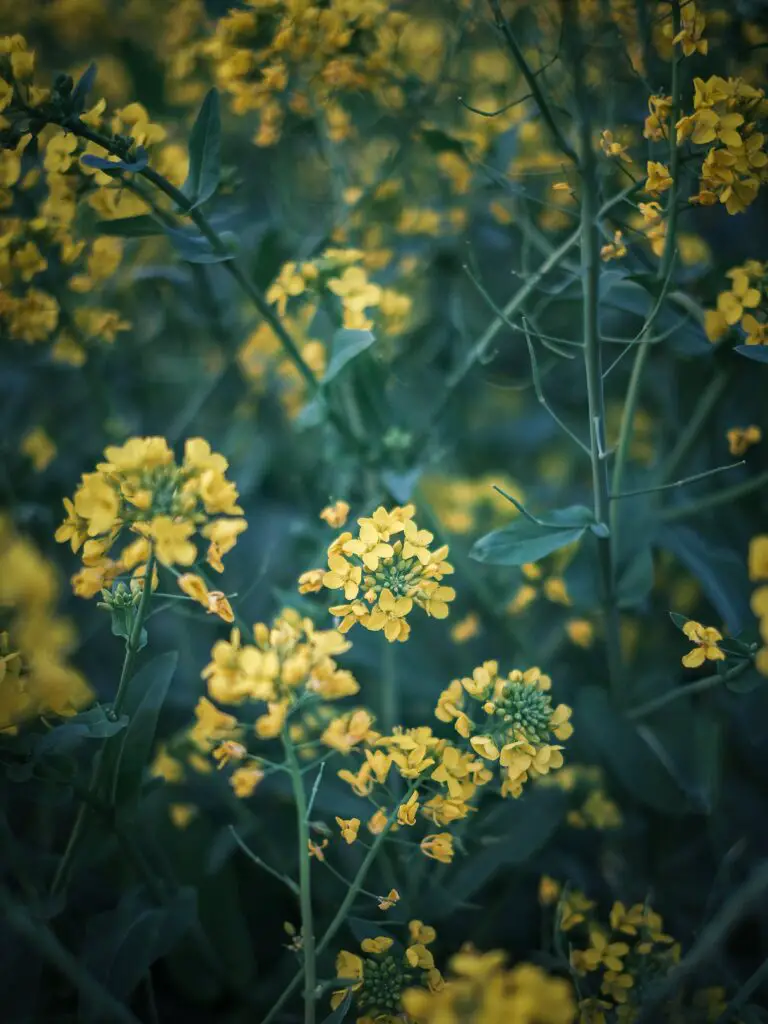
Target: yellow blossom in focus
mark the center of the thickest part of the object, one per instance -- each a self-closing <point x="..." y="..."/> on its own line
<point x="706" y="639"/>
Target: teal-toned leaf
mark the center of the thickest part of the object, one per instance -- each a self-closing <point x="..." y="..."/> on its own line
<point x="196" y="249"/>
<point x="721" y="571"/>
<point x="511" y="836"/>
<point x="525" y="541"/>
<point x="204" y="152"/>
<point x="757" y="352"/>
<point x="130" y="227"/>
<point x="313" y="414"/>
<point x="93" y="724"/>
<point x="401" y="485"/>
<point x="678" y="619"/>
<point x="144" y="700"/>
<point x="82" y="88"/>
<point x="340" y="1013"/>
<point x="746" y="682"/>
<point x="582" y="574"/>
<point x="650" y="778"/>
<point x="122" y="944"/>
<point x="347" y="345"/>
<point x="103" y="164"/>
<point x="636" y="580"/>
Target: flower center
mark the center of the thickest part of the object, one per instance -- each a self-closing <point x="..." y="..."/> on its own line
<point x="525" y="709"/>
<point x="383" y="983"/>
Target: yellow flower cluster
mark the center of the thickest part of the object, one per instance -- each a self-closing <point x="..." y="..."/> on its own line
<point x="386" y="569"/>
<point x="758" y="573"/>
<point x="741" y="304"/>
<point x="516" y="724"/>
<point x="536" y="584"/>
<point x="622" y="956"/>
<point x="725" y="118"/>
<point x="464" y="505"/>
<point x="286" y="662"/>
<point x="363" y="304"/>
<point x="741" y="439"/>
<point x="481" y="988"/>
<point x="292" y="57"/>
<point x="585" y="784"/>
<point x="378" y="979"/>
<point x="35" y="676"/>
<point x="45" y="243"/>
<point x="141" y="490"/>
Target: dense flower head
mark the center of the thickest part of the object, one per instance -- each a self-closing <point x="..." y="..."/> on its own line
<point x="378" y="977"/>
<point x="288" y="660"/>
<point x="480" y="987"/>
<point x="386" y="569"/>
<point x="742" y="305"/>
<point x="35" y="675"/>
<point x="513" y="724"/>
<point x="141" y="490"/>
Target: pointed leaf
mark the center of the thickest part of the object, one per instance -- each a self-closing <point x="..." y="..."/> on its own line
<point x="102" y="164"/>
<point x="757" y="352"/>
<point x="144" y="700"/>
<point x="340" y="1013"/>
<point x="347" y="345"/>
<point x="525" y="541"/>
<point x="80" y="92"/>
<point x="204" y="152"/>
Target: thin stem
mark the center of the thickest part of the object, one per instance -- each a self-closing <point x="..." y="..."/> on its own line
<point x="42" y="939"/>
<point x="263" y="864"/>
<point x="132" y="645"/>
<point x="344" y="907"/>
<point x="390" y="697"/>
<point x="699" y="686"/>
<point x="540" y="393"/>
<point x="305" y="881"/>
<point x="532" y="81"/>
<point x="590" y="276"/>
<point x="708" y="402"/>
<point x="710" y="501"/>
<point x="750" y="986"/>
<point x="678" y="483"/>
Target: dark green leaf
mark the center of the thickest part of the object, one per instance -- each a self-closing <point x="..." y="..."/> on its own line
<point x="204" y="152"/>
<point x="439" y="142"/>
<point x="347" y="345"/>
<point x="93" y="724"/>
<point x="130" y="227"/>
<point x="122" y="944"/>
<point x="678" y="619"/>
<point x="757" y="352"/>
<point x="525" y="541"/>
<point x="81" y="90"/>
<point x="582" y="575"/>
<point x="721" y="571"/>
<point x="102" y="164"/>
<point x="636" y="580"/>
<point x="196" y="249"/>
<point x="517" y="830"/>
<point x="144" y="700"/>
<point x="636" y="764"/>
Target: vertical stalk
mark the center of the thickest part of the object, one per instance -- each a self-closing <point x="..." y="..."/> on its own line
<point x="590" y="278"/>
<point x="132" y="645"/>
<point x="305" y="881"/>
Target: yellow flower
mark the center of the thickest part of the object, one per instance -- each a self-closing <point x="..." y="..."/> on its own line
<point x="438" y="846"/>
<point x="740" y="439"/>
<point x="658" y="178"/>
<point x="316" y="849"/>
<point x="245" y="779"/>
<point x="335" y="515"/>
<point x="229" y="750"/>
<point x="614" y="250"/>
<point x="706" y="639"/>
<point x="465" y="629"/>
<point x="311" y="582"/>
<point x="349" y="828"/>
<point x="758" y="558"/>
<point x="549" y="891"/>
<point x="171" y="540"/>
<point x="406" y="812"/>
<point x="388" y="901"/>
<point x="39" y="448"/>
<point x="612" y="148"/>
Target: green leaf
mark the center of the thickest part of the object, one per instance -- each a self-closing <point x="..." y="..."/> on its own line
<point x="196" y="249"/>
<point x="338" y="1015"/>
<point x="440" y="142"/>
<point x="401" y="485"/>
<point x="144" y="700"/>
<point x="747" y="682"/>
<point x="679" y="620"/>
<point x="130" y="227"/>
<point x="512" y="834"/>
<point x="204" y="152"/>
<point x="757" y="352"/>
<point x="93" y="724"/>
<point x="525" y="541"/>
<point x="636" y="580"/>
<point x="721" y="571"/>
<point x="347" y="345"/>
<point x="103" y="164"/>
<point x="638" y="766"/>
<point x="80" y="92"/>
<point x="122" y="944"/>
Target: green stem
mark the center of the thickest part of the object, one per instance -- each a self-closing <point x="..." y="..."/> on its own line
<point x="344" y="907"/>
<point x="590" y="276"/>
<point x="726" y="497"/>
<point x="132" y="645"/>
<point x="708" y="402"/>
<point x="699" y="686"/>
<point x="39" y="936"/>
<point x="390" y="697"/>
<point x="305" y="881"/>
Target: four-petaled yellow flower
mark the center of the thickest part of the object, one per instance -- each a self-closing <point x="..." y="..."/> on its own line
<point x="706" y="639"/>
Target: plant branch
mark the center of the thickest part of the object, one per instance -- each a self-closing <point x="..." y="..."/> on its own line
<point x="678" y="483"/>
<point x="699" y="686"/>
